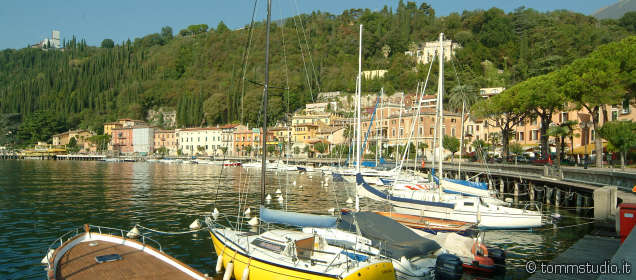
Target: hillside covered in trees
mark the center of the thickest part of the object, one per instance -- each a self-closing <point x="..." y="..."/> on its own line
<point x="212" y="75"/>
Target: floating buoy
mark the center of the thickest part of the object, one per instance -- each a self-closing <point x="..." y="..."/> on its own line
<point x="349" y="201"/>
<point x="310" y="177"/>
<point x="228" y="271"/>
<point x="268" y="197"/>
<point x="300" y="187"/>
<point x="247" y="212"/>
<point x="331" y="210"/>
<point x="294" y="183"/>
<point x="280" y="198"/>
<point x="219" y="263"/>
<point x="195" y="225"/>
<point x="133" y="233"/>
<point x="48" y="256"/>
<point x="215" y="213"/>
<point x="278" y="191"/>
<point x="253" y="222"/>
<point x="326" y="184"/>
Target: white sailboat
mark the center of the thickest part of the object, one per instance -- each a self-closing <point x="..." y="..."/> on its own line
<point x="284" y="253"/>
<point x="485" y="212"/>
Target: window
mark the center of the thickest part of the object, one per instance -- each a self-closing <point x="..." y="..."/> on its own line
<point x="534" y="121"/>
<point x="614" y="115"/>
<point x="534" y="135"/>
<point x="421" y="131"/>
<point x="476" y="128"/>
<point x="626" y="106"/>
<point x="521" y="136"/>
<point x="401" y="132"/>
<point x="453" y="120"/>
<point x="593" y="134"/>
<point x="564" y="116"/>
<point x="453" y="131"/>
<point x="431" y="131"/>
<point x="393" y="132"/>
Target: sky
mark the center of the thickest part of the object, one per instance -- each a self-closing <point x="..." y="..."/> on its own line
<point x="28" y="22"/>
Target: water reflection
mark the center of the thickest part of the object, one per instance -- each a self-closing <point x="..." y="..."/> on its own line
<point x="40" y="200"/>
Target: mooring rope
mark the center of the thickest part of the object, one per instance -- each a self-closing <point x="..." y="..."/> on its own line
<point x="169" y="232"/>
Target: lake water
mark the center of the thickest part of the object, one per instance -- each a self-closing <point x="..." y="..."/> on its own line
<point x="41" y="200"/>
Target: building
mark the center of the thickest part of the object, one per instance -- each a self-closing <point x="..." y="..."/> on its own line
<point x="166" y="139"/>
<point x="374" y="74"/>
<point x="528" y="132"/>
<point x="109" y="126"/>
<point x="50" y="43"/>
<point x="249" y="142"/>
<point x="131" y="122"/>
<point x="322" y="107"/>
<point x="427" y="51"/>
<point x="203" y="141"/>
<point x="488" y="92"/>
<point x="81" y="137"/>
<point x="335" y="135"/>
<point x="227" y="136"/>
<point x="313" y="119"/>
<point x="122" y="140"/>
<point x="143" y="140"/>
<point x="395" y="129"/>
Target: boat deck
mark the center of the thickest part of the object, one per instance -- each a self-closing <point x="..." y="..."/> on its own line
<point x="79" y="263"/>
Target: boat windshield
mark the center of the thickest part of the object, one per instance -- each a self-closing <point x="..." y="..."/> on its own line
<point x="268" y="245"/>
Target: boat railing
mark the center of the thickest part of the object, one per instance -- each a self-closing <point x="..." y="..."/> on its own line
<point x="101" y="229"/>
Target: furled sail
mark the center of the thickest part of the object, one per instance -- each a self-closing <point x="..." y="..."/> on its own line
<point x="297" y="219"/>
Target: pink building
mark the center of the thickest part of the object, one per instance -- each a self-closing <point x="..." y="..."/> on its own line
<point x="122" y="140"/>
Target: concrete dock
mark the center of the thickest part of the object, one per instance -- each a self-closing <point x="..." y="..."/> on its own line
<point x="589" y="249"/>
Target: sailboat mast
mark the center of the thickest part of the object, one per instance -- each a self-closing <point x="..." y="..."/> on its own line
<point x="264" y="134"/>
<point x="440" y="98"/>
<point x="359" y="96"/>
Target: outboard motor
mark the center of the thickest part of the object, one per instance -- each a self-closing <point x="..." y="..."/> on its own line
<point x="448" y="267"/>
<point x="499" y="257"/>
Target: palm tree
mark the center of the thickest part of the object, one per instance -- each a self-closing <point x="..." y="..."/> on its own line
<point x="462" y="98"/>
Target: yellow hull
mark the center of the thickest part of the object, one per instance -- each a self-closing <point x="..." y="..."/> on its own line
<point x="264" y="270"/>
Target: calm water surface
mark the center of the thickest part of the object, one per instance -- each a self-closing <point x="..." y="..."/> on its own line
<point x="41" y="200"/>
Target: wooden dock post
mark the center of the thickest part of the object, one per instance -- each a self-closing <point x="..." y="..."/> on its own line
<point x="557" y="195"/>
<point x="502" y="187"/>
<point x="531" y="191"/>
<point x="516" y="192"/>
<point x="548" y="194"/>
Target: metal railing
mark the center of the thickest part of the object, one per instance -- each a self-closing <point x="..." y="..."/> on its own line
<point x="100" y="229"/>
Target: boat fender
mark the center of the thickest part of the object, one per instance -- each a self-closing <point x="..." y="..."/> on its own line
<point x="278" y="191"/>
<point x="133" y="233"/>
<point x="268" y="197"/>
<point x="48" y="256"/>
<point x="448" y="267"/>
<point x="228" y="271"/>
<point x="349" y="201"/>
<point x="253" y="222"/>
<point x="215" y="213"/>
<point x="195" y="225"/>
<point x="219" y="263"/>
<point x="246" y="273"/>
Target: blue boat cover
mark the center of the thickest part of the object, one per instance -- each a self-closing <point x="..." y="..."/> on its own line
<point x="337" y="177"/>
<point x="297" y="219"/>
<point x="481" y="186"/>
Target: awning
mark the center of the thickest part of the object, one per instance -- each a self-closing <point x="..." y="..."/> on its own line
<point x="590" y="149"/>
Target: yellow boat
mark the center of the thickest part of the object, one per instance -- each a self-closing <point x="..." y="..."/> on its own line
<point x="287" y="254"/>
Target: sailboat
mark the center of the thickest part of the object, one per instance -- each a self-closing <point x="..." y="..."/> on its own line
<point x="286" y="253"/>
<point x="474" y="209"/>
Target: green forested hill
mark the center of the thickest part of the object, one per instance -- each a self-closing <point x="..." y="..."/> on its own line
<point x="198" y="72"/>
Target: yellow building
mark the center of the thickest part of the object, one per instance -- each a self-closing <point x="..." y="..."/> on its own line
<point x="304" y="132"/>
<point x="108" y="127"/>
